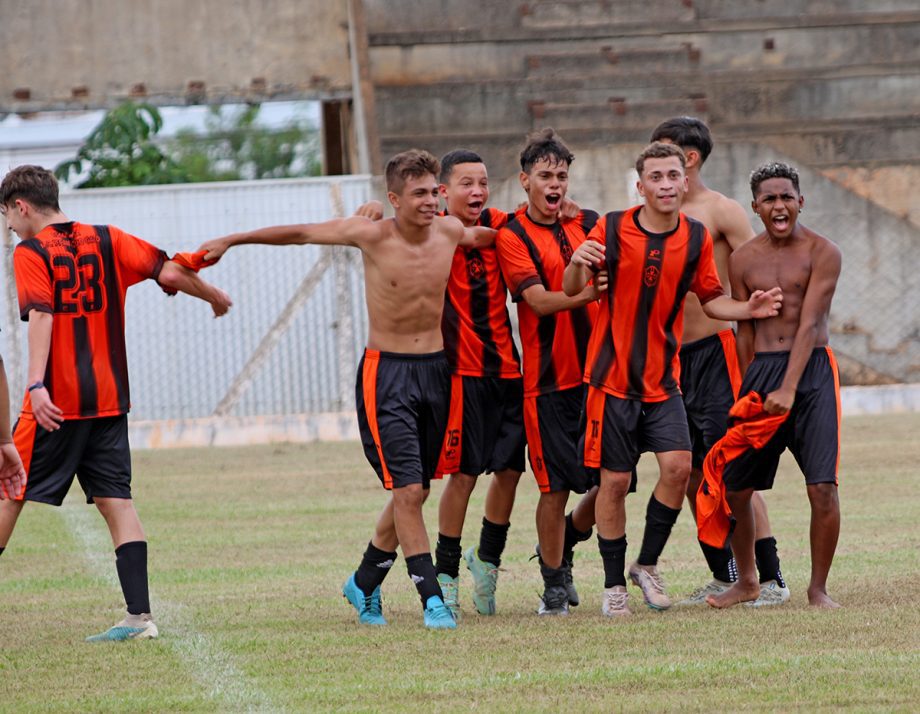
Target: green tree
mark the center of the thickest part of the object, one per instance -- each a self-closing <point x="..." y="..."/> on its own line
<point x="121" y="151"/>
<point x="235" y="146"/>
<point x="124" y="150"/>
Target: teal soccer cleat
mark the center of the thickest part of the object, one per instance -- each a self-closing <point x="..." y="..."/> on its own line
<point x="145" y="630"/>
<point x="438" y="616"/>
<point x="369" y="607"/>
<point x="485" y="580"/>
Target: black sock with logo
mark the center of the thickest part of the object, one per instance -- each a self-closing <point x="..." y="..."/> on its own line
<point x="374" y="567"/>
<point x="421" y="570"/>
<point x="492" y="541"/>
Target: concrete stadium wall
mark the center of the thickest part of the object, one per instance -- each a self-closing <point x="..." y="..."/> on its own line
<point x="92" y="53"/>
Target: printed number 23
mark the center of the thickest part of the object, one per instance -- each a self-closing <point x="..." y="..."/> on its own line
<point x="81" y="285"/>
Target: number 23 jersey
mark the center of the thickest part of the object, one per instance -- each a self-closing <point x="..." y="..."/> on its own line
<point x="79" y="274"/>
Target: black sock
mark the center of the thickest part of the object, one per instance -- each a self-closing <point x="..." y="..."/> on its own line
<point x="2" y="548"/>
<point x="492" y="541"/>
<point x="374" y="567"/>
<point x="613" y="553"/>
<point x="721" y="562"/>
<point x="131" y="564"/>
<point x="421" y="570"/>
<point x="768" y="561"/>
<point x="552" y="577"/>
<point x="447" y="552"/>
<point x="659" y="519"/>
<point x="573" y="536"/>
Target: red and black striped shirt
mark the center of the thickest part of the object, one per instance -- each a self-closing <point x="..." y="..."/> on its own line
<point x="633" y="353"/>
<point x="555" y="346"/>
<point x="476" y="325"/>
<point x="79" y="274"/>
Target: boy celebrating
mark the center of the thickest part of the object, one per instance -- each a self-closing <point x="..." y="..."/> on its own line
<point x="403" y="384"/>
<point x="790" y="366"/>
<point x="653" y="255"/>
<point x="534" y="250"/>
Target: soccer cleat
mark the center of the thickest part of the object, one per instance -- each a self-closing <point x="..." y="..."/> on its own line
<point x="566" y="568"/>
<point x="438" y="616"/>
<point x="647" y="578"/>
<point x="771" y="593"/>
<point x="145" y="630"/>
<point x="698" y="596"/>
<point x="555" y="601"/>
<point x="450" y="587"/>
<point x="615" y="602"/>
<point x="485" y="580"/>
<point x="369" y="607"/>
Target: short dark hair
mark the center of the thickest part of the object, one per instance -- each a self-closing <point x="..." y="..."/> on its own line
<point x="458" y="156"/>
<point x="659" y="150"/>
<point x="410" y="164"/>
<point x="773" y="169"/>
<point x="545" y="144"/>
<point x="33" y="184"/>
<point x="687" y="133"/>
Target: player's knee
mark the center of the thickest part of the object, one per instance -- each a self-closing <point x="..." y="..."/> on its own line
<point x="823" y="497"/>
<point x="614" y="485"/>
<point x="411" y="496"/>
<point x="462" y="482"/>
<point x="676" y="472"/>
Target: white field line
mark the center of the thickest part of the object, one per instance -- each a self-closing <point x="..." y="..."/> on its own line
<point x="211" y="666"/>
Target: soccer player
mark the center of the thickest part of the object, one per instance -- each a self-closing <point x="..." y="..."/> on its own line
<point x="71" y="279"/>
<point x="709" y="374"/>
<point x="12" y="474"/>
<point x="653" y="255"/>
<point x="403" y="384"/>
<point x="787" y="361"/>
<point x="486" y="427"/>
<point x="534" y="249"/>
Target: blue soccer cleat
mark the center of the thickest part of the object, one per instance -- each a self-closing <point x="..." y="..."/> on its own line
<point x="145" y="630"/>
<point x="369" y="607"/>
<point x="438" y="616"/>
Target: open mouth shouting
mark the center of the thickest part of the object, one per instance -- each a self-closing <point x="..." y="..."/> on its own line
<point x="553" y="201"/>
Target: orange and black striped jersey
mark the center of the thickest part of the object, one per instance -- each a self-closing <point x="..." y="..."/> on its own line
<point x="79" y="274"/>
<point x="476" y="325"/>
<point x="635" y="341"/>
<point x="554" y="345"/>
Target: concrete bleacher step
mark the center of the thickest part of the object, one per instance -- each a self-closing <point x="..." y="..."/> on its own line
<point x="608" y="59"/>
<point x="616" y="112"/>
<point x="555" y="14"/>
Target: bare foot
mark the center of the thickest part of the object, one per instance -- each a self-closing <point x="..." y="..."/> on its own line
<point x="735" y="594"/>
<point x="820" y="598"/>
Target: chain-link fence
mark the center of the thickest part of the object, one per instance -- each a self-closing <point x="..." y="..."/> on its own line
<point x="291" y="341"/>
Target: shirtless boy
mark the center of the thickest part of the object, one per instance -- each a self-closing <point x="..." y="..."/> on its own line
<point x="787" y="361"/>
<point x="403" y="384"/>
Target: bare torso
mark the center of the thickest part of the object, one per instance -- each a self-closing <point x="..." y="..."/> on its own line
<point x="712" y="209"/>
<point x="405" y="279"/>
<point x="763" y="263"/>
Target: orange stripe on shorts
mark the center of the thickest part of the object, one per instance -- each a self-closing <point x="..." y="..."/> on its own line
<point x="452" y="448"/>
<point x="730" y="349"/>
<point x="836" y="371"/>
<point x="535" y="443"/>
<point x="594" y="426"/>
<point x="369" y="387"/>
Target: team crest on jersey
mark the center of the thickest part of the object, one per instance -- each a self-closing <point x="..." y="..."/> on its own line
<point x="476" y="267"/>
<point x="651" y="276"/>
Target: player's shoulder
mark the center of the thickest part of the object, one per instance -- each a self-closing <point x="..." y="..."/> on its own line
<point x="822" y="244"/>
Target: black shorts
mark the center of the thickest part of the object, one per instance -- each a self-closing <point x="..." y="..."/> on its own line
<point x="552" y="423"/>
<point x="709" y="380"/>
<point x="811" y="432"/>
<point x="95" y="450"/>
<point x="485" y="429"/>
<point x="402" y="402"/>
<point x="618" y="430"/>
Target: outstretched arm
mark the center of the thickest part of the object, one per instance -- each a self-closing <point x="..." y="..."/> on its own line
<point x="478" y="237"/>
<point x="815" y="307"/>
<point x="12" y="474"/>
<point x="760" y="305"/>
<point x="176" y="277"/>
<point x="339" y="231"/>
<point x="545" y="302"/>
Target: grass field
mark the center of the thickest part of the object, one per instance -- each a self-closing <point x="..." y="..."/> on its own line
<point x="250" y="546"/>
